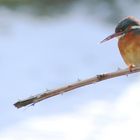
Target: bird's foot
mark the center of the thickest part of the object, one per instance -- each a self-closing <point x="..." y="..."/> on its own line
<point x="130" y="67"/>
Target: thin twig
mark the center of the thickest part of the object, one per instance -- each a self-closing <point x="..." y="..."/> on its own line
<point x="37" y="98"/>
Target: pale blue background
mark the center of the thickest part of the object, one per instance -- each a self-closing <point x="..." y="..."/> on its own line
<point x="45" y="53"/>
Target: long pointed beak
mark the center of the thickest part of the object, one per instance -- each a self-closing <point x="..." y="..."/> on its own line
<point x="112" y="36"/>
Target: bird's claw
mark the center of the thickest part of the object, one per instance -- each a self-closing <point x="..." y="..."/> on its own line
<point x="130" y="67"/>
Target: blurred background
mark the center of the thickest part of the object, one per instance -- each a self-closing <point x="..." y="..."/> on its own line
<point x="45" y="44"/>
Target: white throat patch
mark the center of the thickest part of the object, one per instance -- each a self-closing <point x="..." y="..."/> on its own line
<point x="121" y="36"/>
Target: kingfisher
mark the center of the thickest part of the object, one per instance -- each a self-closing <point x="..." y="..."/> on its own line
<point x="128" y="33"/>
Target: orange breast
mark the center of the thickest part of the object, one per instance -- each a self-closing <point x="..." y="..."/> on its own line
<point x="129" y="46"/>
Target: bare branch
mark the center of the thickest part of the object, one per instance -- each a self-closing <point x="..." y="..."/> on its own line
<point x="80" y="83"/>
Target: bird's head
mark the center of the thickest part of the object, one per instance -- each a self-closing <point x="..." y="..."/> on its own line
<point x="124" y="27"/>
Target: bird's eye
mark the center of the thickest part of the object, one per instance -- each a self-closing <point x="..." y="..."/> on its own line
<point x="121" y="30"/>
